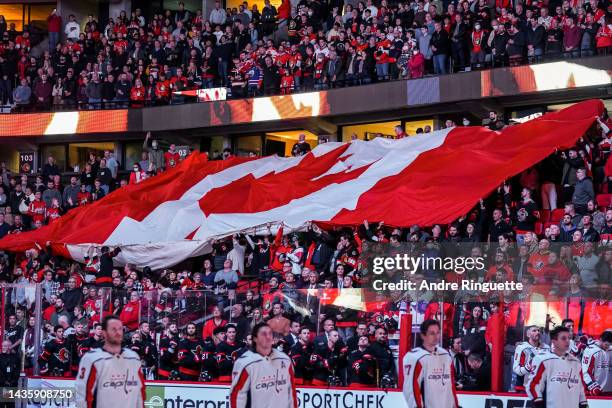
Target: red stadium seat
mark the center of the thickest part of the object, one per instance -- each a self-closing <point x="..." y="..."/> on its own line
<point x="544" y="215"/>
<point x="549" y="223"/>
<point x="604" y="199"/>
<point x="557" y="215"/>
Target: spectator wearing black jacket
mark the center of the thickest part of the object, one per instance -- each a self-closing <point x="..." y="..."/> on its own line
<point x="122" y="89"/>
<point x="7" y="78"/>
<point x="105" y="176"/>
<point x="268" y="18"/>
<point x="72" y="295"/>
<point x="583" y="191"/>
<point x="498" y="40"/>
<point x="50" y="169"/>
<point x="104" y="277"/>
<point x="477" y="376"/>
<point x="222" y="55"/>
<point x="554" y="39"/>
<point x="459" y="35"/>
<point x="69" y="92"/>
<point x="271" y="77"/>
<point x="108" y="90"/>
<point x="536" y="40"/>
<point x="440" y="45"/>
<point x="9" y="366"/>
<point x="517" y="45"/>
<point x="323" y="248"/>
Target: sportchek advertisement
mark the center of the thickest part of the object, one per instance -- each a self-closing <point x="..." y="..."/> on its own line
<point x="175" y="395"/>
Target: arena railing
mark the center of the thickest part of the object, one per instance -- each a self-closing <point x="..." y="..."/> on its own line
<point x="248" y="92"/>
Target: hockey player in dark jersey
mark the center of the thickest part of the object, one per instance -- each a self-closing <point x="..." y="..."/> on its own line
<point x="362" y="365"/>
<point x="55" y="358"/>
<point x="328" y="360"/>
<point x="150" y="360"/>
<point x="190" y="350"/>
<point x="79" y="344"/>
<point x="209" y="362"/>
<point x="168" y="350"/>
<point x="385" y="364"/>
<point x="96" y="340"/>
<point x="300" y="354"/>
<point x="246" y="345"/>
<point x="226" y="354"/>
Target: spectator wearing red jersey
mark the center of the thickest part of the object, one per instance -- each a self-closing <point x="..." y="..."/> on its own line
<point x="131" y="312"/>
<point x="38" y="208"/>
<point x="137" y="94"/>
<point x="603" y="38"/>
<point x="171" y="157"/>
<point x="178" y="83"/>
<point x="54" y="212"/>
<point x="162" y="90"/>
<point x="83" y="196"/>
<point x="477" y="41"/>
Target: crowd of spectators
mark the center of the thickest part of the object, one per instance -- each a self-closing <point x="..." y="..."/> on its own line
<point x="137" y="60"/>
<point x="543" y="228"/>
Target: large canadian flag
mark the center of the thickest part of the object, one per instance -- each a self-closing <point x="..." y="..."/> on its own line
<point x="425" y="179"/>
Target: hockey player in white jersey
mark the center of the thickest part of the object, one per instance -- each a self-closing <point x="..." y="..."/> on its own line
<point x="429" y="378"/>
<point x="523" y="356"/>
<point x="263" y="377"/>
<point x="556" y="381"/>
<point x="596" y="365"/>
<point x="110" y="375"/>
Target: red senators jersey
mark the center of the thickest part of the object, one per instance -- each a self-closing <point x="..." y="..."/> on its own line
<point x="38" y="210"/>
<point x="171" y="159"/>
<point x="137" y="93"/>
<point x="53" y="214"/>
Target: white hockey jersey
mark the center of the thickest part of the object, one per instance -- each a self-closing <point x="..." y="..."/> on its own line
<point x="429" y="379"/>
<point x="263" y="382"/>
<point x="522" y="364"/>
<point x="106" y="379"/>
<point x="557" y="381"/>
<point x="596" y="368"/>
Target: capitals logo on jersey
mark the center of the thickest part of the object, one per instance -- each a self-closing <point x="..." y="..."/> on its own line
<point x="439" y="374"/>
<point x="270" y="382"/>
<point x="571" y="378"/>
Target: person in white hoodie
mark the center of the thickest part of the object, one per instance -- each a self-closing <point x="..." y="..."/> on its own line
<point x="72" y="28"/>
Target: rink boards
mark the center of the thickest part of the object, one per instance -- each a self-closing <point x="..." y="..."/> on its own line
<point x="200" y="395"/>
